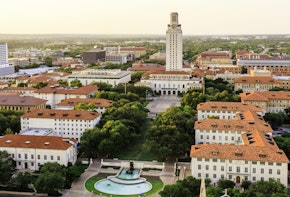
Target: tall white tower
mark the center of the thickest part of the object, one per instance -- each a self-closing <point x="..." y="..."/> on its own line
<point x="3" y="53"/>
<point x="174" y="44"/>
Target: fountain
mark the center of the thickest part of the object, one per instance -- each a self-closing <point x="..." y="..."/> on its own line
<point x="126" y="182"/>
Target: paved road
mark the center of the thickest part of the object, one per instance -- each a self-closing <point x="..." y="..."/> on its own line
<point x="161" y="104"/>
<point x="78" y="186"/>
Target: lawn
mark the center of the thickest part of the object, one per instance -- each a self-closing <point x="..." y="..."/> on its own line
<point x="157" y="185"/>
<point x="139" y="149"/>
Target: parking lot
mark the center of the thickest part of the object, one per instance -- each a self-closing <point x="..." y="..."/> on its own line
<point x="161" y="104"/>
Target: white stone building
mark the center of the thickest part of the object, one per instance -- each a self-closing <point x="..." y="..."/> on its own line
<point x="175" y="79"/>
<point x="5" y="67"/>
<point x="236" y="144"/>
<point x="110" y="76"/>
<point x="116" y="58"/>
<point x="174" y="45"/>
<point x="64" y="123"/>
<point x="223" y="110"/>
<point x="100" y="104"/>
<point x="30" y="152"/>
<point x="55" y="95"/>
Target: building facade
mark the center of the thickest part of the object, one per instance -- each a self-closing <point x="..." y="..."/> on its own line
<point x="30" y="152"/>
<point x="269" y="102"/>
<point x="54" y="94"/>
<point x="64" y="123"/>
<point x="248" y="84"/>
<point x="110" y="76"/>
<point x="20" y="103"/>
<point x="174" y="45"/>
<point x="93" y="56"/>
<point x="100" y="105"/>
<point x="236" y="144"/>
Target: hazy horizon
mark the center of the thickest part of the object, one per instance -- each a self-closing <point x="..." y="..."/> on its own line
<point x="129" y="17"/>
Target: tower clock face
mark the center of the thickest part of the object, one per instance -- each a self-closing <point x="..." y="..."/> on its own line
<point x="173" y="26"/>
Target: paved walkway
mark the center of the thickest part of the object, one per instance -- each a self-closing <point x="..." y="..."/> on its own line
<point x="78" y="186"/>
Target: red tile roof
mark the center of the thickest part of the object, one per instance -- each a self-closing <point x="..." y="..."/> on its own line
<point x="265" y="96"/>
<point x="39" y="142"/>
<point x="61" y="114"/>
<point x="84" y="90"/>
<point x="245" y="152"/>
<point x="18" y="100"/>
<point x="227" y="106"/>
<point x="248" y="79"/>
<point x="96" y="102"/>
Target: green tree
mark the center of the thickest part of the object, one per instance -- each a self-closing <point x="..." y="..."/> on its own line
<point x="222" y="183"/>
<point x="62" y="82"/>
<point x="269" y="188"/>
<point x="102" y="86"/>
<point x="76" y="83"/>
<point x="7" y="166"/>
<point x="169" y="130"/>
<point x="89" y="143"/>
<point x="51" y="178"/>
<point x="21" y="181"/>
<point x="48" y="61"/>
<point x="8" y="131"/>
<point x="40" y="85"/>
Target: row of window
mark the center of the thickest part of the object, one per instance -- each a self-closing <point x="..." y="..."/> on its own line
<point x="231" y="161"/>
<point x="38" y="157"/>
<point x="226" y="138"/>
<point x="230" y="177"/>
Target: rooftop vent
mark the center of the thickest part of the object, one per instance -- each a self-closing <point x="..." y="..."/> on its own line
<point x="262" y="155"/>
<point x="65" y="114"/>
<point x="215" y="153"/>
<point x="27" y="142"/>
<point x="52" y="114"/>
<point x="78" y="115"/>
<point x="40" y="114"/>
<point x="8" y="141"/>
<point x="251" y="122"/>
<point x="46" y="143"/>
<point x="238" y="154"/>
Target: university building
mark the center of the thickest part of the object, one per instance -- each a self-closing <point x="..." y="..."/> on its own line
<point x="175" y="79"/>
<point x="64" y="123"/>
<point x="30" y="152"/>
<point x="236" y="147"/>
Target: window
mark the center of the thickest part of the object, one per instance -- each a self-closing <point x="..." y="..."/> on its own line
<point x="254" y="162"/>
<point x="254" y="178"/>
<point x="278" y="171"/>
<point x="19" y="156"/>
<point x="206" y="175"/>
<point x="32" y="164"/>
<point x="199" y="167"/>
<point x="214" y="160"/>
<point x="199" y="159"/>
<point x="262" y="163"/>
<point x="278" y="164"/>
<point x="214" y="167"/>
<point x="38" y="156"/>
<point x="45" y="157"/>
<point x="51" y="157"/>
<point x="254" y="170"/>
<point x="32" y="156"/>
<point x="270" y="163"/>
<point x="230" y="177"/>
<point x="222" y="168"/>
<point x="58" y="158"/>
<point x="199" y="174"/>
<point x="262" y="171"/>
<point x="246" y="169"/>
<point x="214" y="175"/>
<point x="270" y="171"/>
<point x="238" y="169"/>
<point x="230" y="168"/>
<point x="206" y="167"/>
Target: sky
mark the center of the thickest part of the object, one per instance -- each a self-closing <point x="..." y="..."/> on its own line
<point x="197" y="17"/>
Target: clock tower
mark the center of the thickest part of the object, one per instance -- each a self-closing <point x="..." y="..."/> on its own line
<point x="174" y="61"/>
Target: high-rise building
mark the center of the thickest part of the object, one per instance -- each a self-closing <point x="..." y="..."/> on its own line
<point x="175" y="79"/>
<point x="174" y="44"/>
<point x="5" y="68"/>
<point x="3" y="53"/>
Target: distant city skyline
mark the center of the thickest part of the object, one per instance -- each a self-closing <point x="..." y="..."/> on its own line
<point x="197" y="17"/>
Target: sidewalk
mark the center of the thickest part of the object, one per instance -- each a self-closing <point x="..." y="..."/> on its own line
<point x="78" y="186"/>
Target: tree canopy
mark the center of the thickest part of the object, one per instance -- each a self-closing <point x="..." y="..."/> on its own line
<point x="172" y="133"/>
